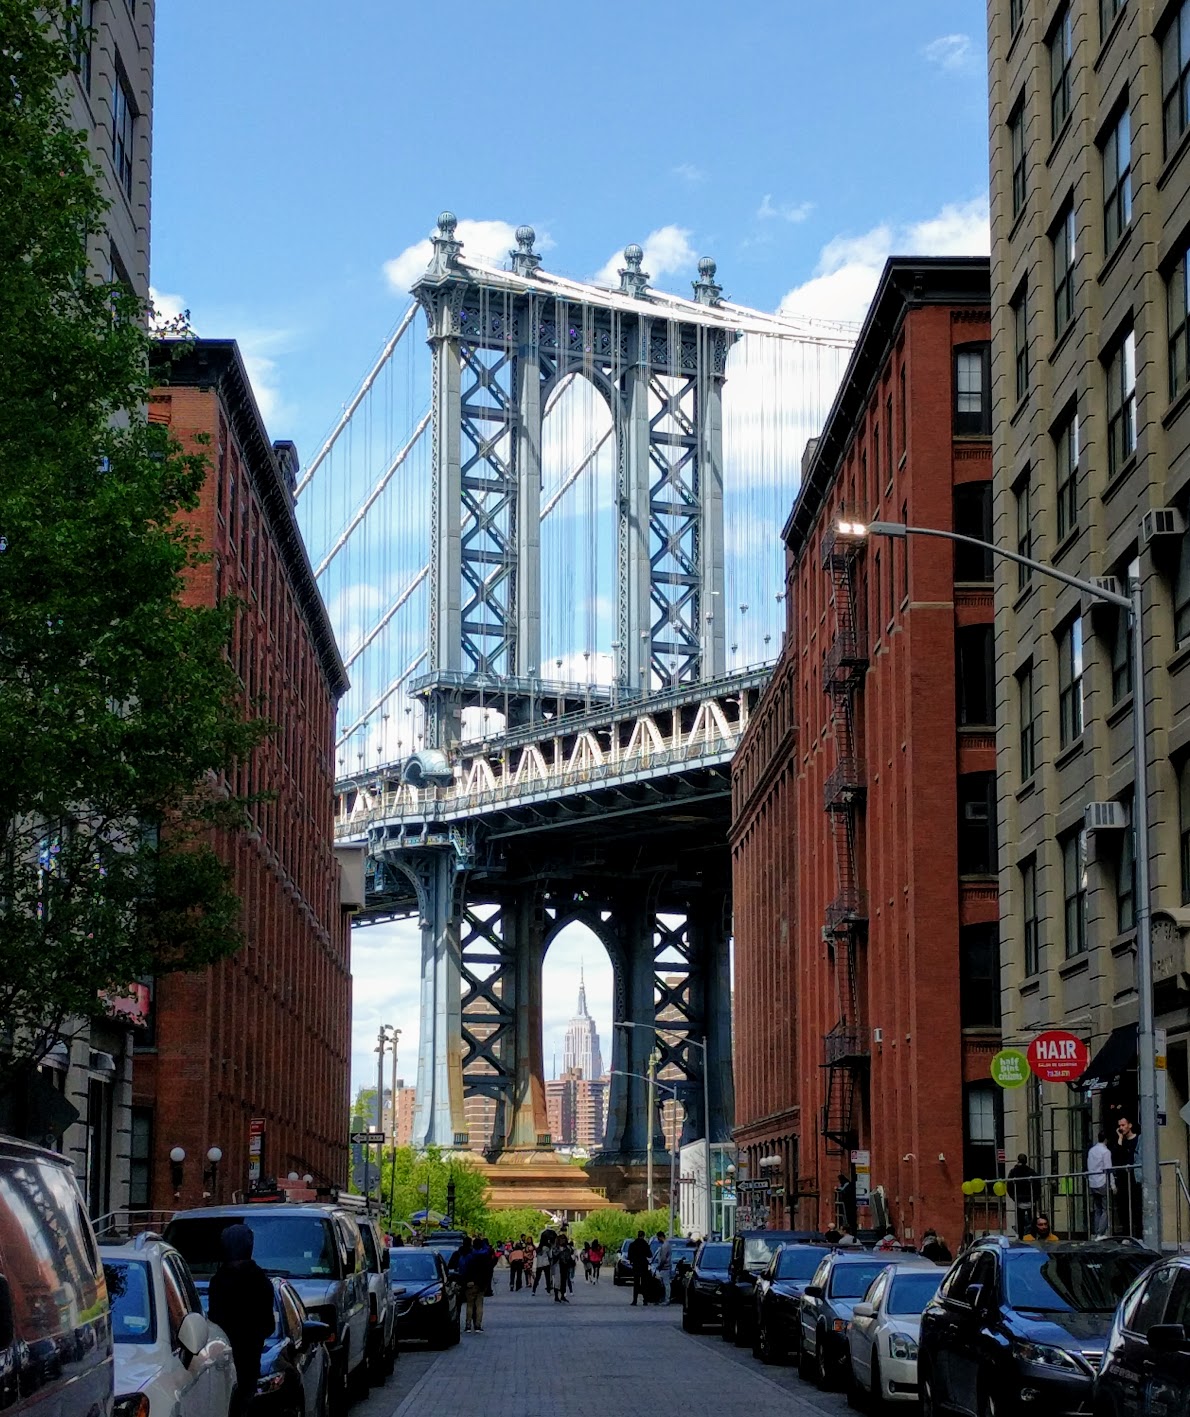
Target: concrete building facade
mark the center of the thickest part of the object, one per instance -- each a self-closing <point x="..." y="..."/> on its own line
<point x="1090" y="191"/>
<point x="252" y="1055"/>
<point x="864" y="835"/>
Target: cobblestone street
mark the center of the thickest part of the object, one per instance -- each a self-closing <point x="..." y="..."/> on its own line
<point x="588" y="1359"/>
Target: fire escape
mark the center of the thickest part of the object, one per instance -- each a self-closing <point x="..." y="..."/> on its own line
<point x="845" y="1047"/>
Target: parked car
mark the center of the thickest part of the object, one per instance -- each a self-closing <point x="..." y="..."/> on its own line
<point x="171" y="1361"/>
<point x="622" y="1269"/>
<point x="682" y="1252"/>
<point x="841" y="1280"/>
<point x="427" y="1299"/>
<point x="318" y="1248"/>
<point x="382" y="1312"/>
<point x="1146" y="1367"/>
<point x="885" y="1327"/>
<point x="702" y="1303"/>
<point x="295" y="1367"/>
<point x="55" y="1324"/>
<point x="777" y="1296"/>
<point x="1016" y="1324"/>
<point x="750" y="1255"/>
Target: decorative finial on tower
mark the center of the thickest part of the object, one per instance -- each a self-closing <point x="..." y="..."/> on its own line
<point x="634" y="281"/>
<point x="706" y="292"/>
<point x="525" y="260"/>
<point x="446" y="248"/>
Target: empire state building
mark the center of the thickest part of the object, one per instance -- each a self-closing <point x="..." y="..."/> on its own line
<point x="581" y="1048"/>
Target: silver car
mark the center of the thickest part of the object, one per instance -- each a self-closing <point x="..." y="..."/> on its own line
<point x="382" y="1311"/>
<point x="885" y="1327"/>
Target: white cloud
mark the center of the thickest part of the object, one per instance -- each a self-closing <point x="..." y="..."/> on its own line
<point x="166" y="307"/>
<point x="489" y="241"/>
<point x="950" y="51"/>
<point x="849" y="267"/>
<point x="793" y="212"/>
<point x="688" y="172"/>
<point x="386" y="988"/>
<point x="667" y="250"/>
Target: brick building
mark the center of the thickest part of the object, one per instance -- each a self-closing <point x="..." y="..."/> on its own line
<point x="576" y="1109"/>
<point x="259" y="1044"/>
<point x="864" y="839"/>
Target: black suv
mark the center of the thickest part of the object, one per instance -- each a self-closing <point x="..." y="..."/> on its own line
<point x="1021" y="1327"/>
<point x="1146" y="1369"/>
<point x="702" y="1302"/>
<point x="751" y="1251"/>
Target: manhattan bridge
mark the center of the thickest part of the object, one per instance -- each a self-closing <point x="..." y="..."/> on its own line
<point x="551" y="551"/>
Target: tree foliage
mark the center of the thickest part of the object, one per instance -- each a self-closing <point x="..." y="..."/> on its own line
<point x="404" y="1171"/>
<point x="612" y="1227"/>
<point x="510" y="1224"/>
<point x="120" y="714"/>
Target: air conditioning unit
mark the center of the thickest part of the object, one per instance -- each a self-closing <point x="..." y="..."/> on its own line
<point x="1110" y="585"/>
<point x="1160" y="522"/>
<point x="1105" y="817"/>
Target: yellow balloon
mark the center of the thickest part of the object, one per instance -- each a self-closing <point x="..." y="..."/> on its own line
<point x="999" y="1188"/>
<point x="978" y="1184"/>
<point x="967" y="1188"/>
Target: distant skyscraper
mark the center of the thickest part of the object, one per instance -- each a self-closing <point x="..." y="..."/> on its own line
<point x="581" y="1049"/>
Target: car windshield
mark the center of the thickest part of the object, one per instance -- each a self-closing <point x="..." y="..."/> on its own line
<point x="1091" y="1281"/>
<point x="758" y="1251"/>
<point x="131" y="1294"/>
<point x="912" y="1291"/>
<point x="850" y="1281"/>
<point x="298" y="1246"/>
<point x="798" y="1261"/>
<point x="413" y="1264"/>
<point x="714" y="1257"/>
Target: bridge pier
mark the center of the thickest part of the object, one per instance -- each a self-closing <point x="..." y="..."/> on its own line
<point x="529" y="1124"/>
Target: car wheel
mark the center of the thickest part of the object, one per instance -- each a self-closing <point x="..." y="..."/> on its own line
<point x="377" y="1366"/>
<point x="322" y="1407"/>
<point x="856" y="1397"/>
<point x="767" y="1349"/>
<point x="876" y="1402"/>
<point x="988" y="1406"/>
<point x="823" y="1374"/>
<point x="357" y="1382"/>
<point x="805" y="1363"/>
<point x="925" y="1392"/>
<point x="689" y="1322"/>
<point x="339" y="1397"/>
<point x="728" y="1329"/>
<point x="391" y="1354"/>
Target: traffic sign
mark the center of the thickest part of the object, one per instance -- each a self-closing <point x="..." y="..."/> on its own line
<point x="1058" y="1056"/>
<point x="368" y="1138"/>
<point x="1010" y="1067"/>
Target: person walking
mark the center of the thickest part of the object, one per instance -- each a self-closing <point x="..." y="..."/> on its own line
<point x="640" y="1257"/>
<point x="1041" y="1234"/>
<point x="241" y="1302"/>
<point x="1128" y="1196"/>
<point x="516" y="1264"/>
<point x="664" y="1263"/>
<point x="560" y="1269"/>
<point x="1025" y="1190"/>
<point x="586" y="1258"/>
<point x="934" y="1247"/>
<point x="1100" y="1184"/>
<point x="530" y="1260"/>
<point x="848" y="1240"/>
<point x="475" y="1272"/>
<point x="845" y="1202"/>
<point x="542" y="1260"/>
<point x="596" y="1260"/>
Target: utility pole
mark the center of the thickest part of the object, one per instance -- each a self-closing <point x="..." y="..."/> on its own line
<point x="653" y="1056"/>
<point x="392" y="1175"/>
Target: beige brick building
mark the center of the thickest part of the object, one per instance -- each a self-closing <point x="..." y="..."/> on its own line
<point x="1090" y="201"/>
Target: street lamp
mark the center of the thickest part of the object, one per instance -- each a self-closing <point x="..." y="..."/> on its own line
<point x="706" y="1106"/>
<point x="211" y="1174"/>
<point x="673" y="1092"/>
<point x="177" y="1157"/>
<point x="1150" y="1166"/>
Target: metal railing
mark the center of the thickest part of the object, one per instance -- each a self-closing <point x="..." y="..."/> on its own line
<point x="124" y="1224"/>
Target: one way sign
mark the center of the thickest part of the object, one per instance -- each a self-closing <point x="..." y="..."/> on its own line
<point x="368" y="1138"/>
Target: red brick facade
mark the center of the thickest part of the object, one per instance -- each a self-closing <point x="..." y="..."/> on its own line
<point x="860" y="784"/>
<point x="265" y="1035"/>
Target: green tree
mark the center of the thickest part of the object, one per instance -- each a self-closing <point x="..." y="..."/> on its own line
<point x="405" y="1171"/>
<point x="509" y="1224"/>
<point x="121" y="717"/>
<point x="612" y="1227"/>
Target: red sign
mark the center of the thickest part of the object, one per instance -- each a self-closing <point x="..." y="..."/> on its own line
<point x="1057" y="1056"/>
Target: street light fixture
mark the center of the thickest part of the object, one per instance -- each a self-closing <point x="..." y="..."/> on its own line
<point x="1150" y="1166"/>
<point x="177" y="1157"/>
<point x="706" y="1105"/>
<point x="210" y="1175"/>
<point x="673" y="1092"/>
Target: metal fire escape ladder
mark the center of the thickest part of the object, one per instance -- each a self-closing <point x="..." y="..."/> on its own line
<point x="845" y="1047"/>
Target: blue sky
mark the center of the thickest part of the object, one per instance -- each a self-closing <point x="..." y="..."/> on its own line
<point x="301" y="148"/>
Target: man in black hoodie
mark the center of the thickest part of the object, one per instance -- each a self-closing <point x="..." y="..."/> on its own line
<point x="240" y="1301"/>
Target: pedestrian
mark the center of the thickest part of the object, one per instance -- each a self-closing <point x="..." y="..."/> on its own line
<point x="596" y="1260"/>
<point x="475" y="1272"/>
<point x="560" y="1269"/>
<point x="934" y="1247"/>
<point x="848" y="1240"/>
<point x="1128" y="1196"/>
<point x="664" y="1261"/>
<point x="542" y="1261"/>
<point x="530" y="1259"/>
<point x="1025" y="1189"/>
<point x="845" y="1202"/>
<point x="586" y="1258"/>
<point x="1041" y="1234"/>
<point x="1100" y="1183"/>
<point x="832" y="1235"/>
<point x="241" y="1302"/>
<point x="516" y="1264"/>
<point x="887" y="1241"/>
<point x="640" y="1257"/>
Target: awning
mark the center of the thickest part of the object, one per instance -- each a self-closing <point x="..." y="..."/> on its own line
<point x="1118" y="1054"/>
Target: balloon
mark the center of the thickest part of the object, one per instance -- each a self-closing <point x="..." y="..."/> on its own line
<point x="999" y="1188"/>
<point x="967" y="1191"/>
<point x="978" y="1185"/>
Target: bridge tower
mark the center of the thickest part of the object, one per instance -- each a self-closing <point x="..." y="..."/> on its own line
<point x="501" y="344"/>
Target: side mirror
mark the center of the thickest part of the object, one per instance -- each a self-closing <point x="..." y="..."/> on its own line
<point x="863" y="1311"/>
<point x="7" y="1325"/>
<point x="315" y="1332"/>
<point x="1168" y="1338"/>
<point x="813" y="1291"/>
<point x="193" y="1333"/>
<point x="974" y="1296"/>
<point x="385" y="1258"/>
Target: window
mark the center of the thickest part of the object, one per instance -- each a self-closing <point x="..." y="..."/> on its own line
<point x="983" y="1134"/>
<point x="1024" y="687"/>
<point x="1117" y="181"/>
<point x="1061" y="54"/>
<point x="1030" y="919"/>
<point x="875" y="460"/>
<point x="1020" y="345"/>
<point x="1181" y="594"/>
<point x="972" y="391"/>
<point x="1074" y="891"/>
<point x="1126" y="877"/>
<point x="888" y="436"/>
<point x="1016" y="142"/>
<point x="1070" y="682"/>
<point x="1108" y="10"/>
<point x="1121" y="647"/>
<point x="123" y="127"/>
<point x="1175" y="78"/>
<point x="1184" y="827"/>
<point x="1177" y="310"/>
<point x="140" y="1155"/>
<point x="1121" y="404"/>
<point x="1016" y="12"/>
<point x="973" y="517"/>
<point x="975" y="651"/>
<point x="1066" y="455"/>
<point x="84" y="23"/>
<point x="1063" y="244"/>
<point x="979" y="975"/>
<point x="904" y="415"/>
<point x="1024" y="530"/>
<point x="977" y="824"/>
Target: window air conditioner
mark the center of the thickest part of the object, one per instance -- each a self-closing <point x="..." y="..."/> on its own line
<point x="1113" y="585"/>
<point x="1105" y="816"/>
<point x="1161" y="522"/>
